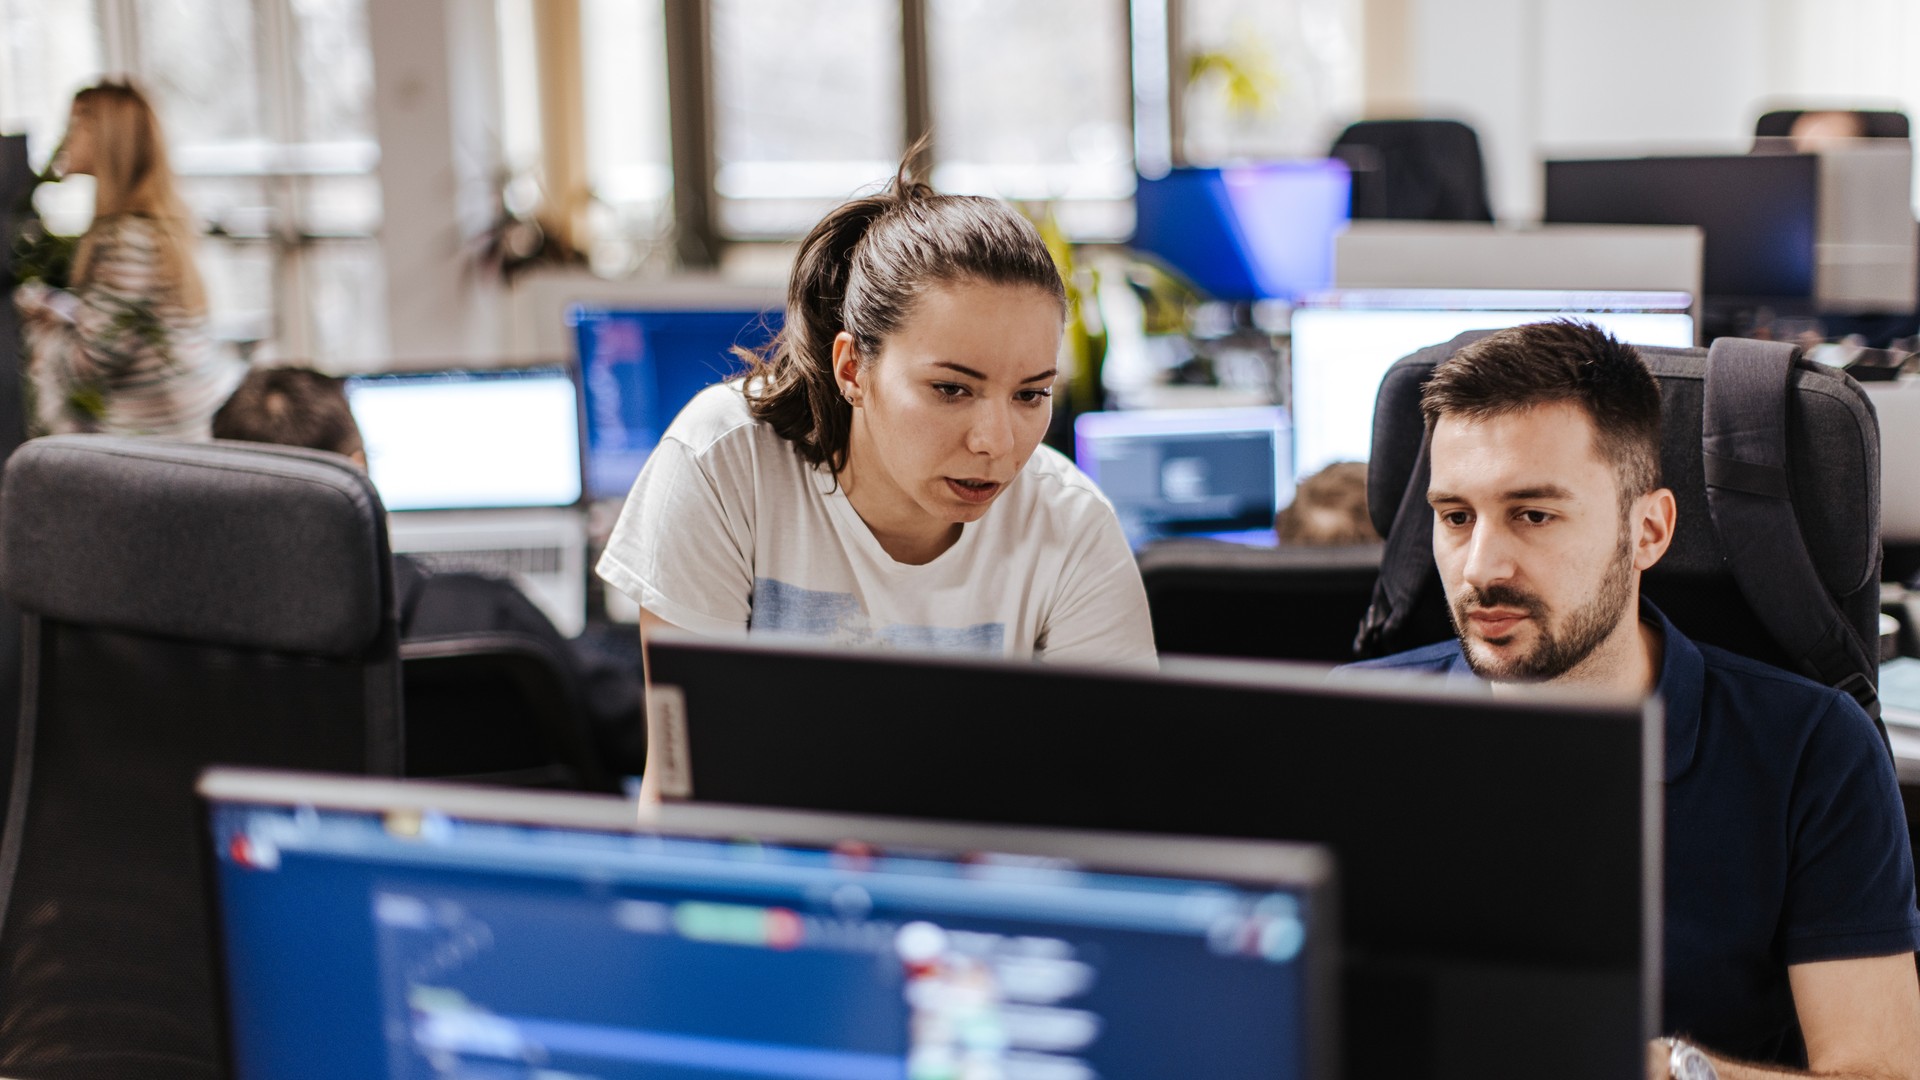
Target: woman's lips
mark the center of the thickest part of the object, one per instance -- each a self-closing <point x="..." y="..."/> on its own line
<point x="973" y="491"/>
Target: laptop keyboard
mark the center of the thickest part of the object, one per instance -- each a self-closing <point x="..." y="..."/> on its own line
<point x="497" y="562"/>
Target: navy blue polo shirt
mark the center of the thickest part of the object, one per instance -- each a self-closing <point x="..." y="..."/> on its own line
<point x="1786" y="841"/>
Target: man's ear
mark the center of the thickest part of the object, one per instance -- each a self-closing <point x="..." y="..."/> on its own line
<point x="846" y="367"/>
<point x="1655" y="516"/>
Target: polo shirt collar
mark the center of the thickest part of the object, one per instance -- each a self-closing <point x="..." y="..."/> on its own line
<point x="1682" y="685"/>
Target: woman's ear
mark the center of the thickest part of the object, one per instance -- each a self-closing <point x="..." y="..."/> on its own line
<point x="846" y="367"/>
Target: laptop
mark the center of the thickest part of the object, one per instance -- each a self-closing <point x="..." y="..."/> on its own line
<point x="481" y="471"/>
<point x="1215" y="473"/>
<point x="1344" y="341"/>
<point x="377" y="928"/>
<point x="640" y="366"/>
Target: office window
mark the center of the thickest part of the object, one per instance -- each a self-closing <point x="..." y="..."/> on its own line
<point x="1268" y="78"/>
<point x="47" y="51"/>
<point x="806" y="108"/>
<point x="268" y="106"/>
<point x="1030" y="101"/>
<point x="629" y="157"/>
<point x="197" y="58"/>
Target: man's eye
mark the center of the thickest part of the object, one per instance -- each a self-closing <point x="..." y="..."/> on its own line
<point x="1456" y="518"/>
<point x="1535" y="517"/>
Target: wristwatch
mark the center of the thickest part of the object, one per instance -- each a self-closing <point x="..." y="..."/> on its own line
<point x="1686" y="1061"/>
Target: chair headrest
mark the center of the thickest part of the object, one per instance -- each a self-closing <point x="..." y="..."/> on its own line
<point x="258" y="547"/>
<point x="1833" y="470"/>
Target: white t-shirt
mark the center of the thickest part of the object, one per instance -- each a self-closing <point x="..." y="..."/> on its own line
<point x="729" y="529"/>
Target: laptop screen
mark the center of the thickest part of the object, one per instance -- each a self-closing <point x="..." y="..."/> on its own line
<point x="1221" y="473"/>
<point x="475" y="935"/>
<point x="454" y="440"/>
<point x="1344" y="342"/>
<point x="641" y="367"/>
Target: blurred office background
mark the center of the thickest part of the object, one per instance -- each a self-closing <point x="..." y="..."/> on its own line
<point x="357" y="164"/>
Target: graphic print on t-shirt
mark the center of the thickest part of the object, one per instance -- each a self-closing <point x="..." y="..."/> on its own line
<point x="838" y="617"/>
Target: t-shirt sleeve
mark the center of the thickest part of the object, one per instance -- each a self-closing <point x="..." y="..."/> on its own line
<point x="1850" y="888"/>
<point x="683" y="545"/>
<point x="1101" y="615"/>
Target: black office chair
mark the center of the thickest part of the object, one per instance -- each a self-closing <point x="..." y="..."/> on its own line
<point x="184" y="605"/>
<point x="1833" y="471"/>
<point x="496" y="708"/>
<point x="1875" y="123"/>
<point x="1209" y="598"/>
<point x="1421" y="170"/>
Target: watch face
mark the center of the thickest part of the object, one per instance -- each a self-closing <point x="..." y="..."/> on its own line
<point x="1688" y="1063"/>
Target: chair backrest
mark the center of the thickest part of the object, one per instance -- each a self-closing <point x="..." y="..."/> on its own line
<point x="1425" y="170"/>
<point x="1833" y="472"/>
<point x="497" y="707"/>
<point x="1875" y="123"/>
<point x="1209" y="598"/>
<point x="184" y="605"/>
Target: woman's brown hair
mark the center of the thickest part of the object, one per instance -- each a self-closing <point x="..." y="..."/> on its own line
<point x="132" y="176"/>
<point x="862" y="269"/>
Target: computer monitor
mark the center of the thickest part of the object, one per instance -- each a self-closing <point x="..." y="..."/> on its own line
<point x="640" y="367"/>
<point x="1344" y="342"/>
<point x="405" y="930"/>
<point x="1758" y="213"/>
<point x="1246" y="232"/>
<point x="1219" y="473"/>
<point x="468" y="440"/>
<point x="1499" y="856"/>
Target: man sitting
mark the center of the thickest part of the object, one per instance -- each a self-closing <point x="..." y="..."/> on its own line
<point x="1790" y="917"/>
<point x="291" y="406"/>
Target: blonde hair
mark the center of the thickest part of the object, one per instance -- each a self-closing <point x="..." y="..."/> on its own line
<point x="132" y="176"/>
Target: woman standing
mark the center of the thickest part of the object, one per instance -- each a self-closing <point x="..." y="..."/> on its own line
<point x="126" y="351"/>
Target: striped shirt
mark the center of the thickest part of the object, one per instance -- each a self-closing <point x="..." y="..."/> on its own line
<point x="132" y="361"/>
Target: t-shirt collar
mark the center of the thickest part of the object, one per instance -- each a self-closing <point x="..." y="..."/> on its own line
<point x="1683" y="681"/>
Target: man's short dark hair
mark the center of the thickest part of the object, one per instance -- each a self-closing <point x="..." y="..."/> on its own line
<point x="1553" y="362"/>
<point x="290" y="406"/>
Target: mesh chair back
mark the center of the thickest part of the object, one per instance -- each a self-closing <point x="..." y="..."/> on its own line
<point x="1874" y="123"/>
<point x="1209" y="598"/>
<point x="1421" y="170"/>
<point x="184" y="605"/>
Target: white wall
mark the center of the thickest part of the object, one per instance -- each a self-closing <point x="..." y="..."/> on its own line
<point x="1546" y="78"/>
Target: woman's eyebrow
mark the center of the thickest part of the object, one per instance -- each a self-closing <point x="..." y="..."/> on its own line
<point x="972" y="374"/>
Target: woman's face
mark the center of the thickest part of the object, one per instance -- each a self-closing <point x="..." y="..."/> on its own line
<point x="77" y="151"/>
<point x="949" y="412"/>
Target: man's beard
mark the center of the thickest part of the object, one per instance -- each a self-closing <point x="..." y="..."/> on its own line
<point x="1559" y="649"/>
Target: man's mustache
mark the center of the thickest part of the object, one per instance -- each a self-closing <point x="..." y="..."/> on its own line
<point x="1501" y="596"/>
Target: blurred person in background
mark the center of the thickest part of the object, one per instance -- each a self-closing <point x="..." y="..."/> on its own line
<point x="126" y="350"/>
<point x="1329" y="509"/>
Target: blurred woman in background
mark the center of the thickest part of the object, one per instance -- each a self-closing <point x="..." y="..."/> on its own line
<point x="126" y="351"/>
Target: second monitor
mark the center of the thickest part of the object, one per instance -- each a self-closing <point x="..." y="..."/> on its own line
<point x="1499" y="857"/>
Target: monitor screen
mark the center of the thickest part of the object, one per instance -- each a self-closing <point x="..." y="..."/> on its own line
<point x="451" y="440"/>
<point x="639" y="368"/>
<point x="1757" y="211"/>
<point x="1344" y="342"/>
<point x="1499" y="855"/>
<point x="1246" y="232"/>
<point x="461" y="932"/>
<point x="1221" y="473"/>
